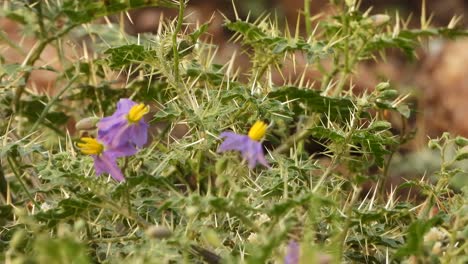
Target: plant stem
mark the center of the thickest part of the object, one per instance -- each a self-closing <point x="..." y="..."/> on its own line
<point x="35" y="55"/>
<point x="40" y="20"/>
<point x="52" y="102"/>
<point x="3" y="183"/>
<point x="307" y="17"/>
<point x="341" y="238"/>
<point x="175" y="50"/>
<point x="14" y="165"/>
<point x="298" y="136"/>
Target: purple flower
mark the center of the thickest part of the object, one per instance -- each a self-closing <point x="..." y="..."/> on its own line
<point x="249" y="146"/>
<point x="125" y="126"/>
<point x="292" y="253"/>
<point x="105" y="159"/>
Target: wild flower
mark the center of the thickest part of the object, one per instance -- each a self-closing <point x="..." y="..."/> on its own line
<point x="125" y="126"/>
<point x="249" y="145"/>
<point x="292" y="253"/>
<point x="105" y="158"/>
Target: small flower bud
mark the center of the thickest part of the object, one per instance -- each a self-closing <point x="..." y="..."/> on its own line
<point x="461" y="141"/>
<point x="433" y="144"/>
<point x="87" y="123"/>
<point x="158" y="232"/>
<point x="388" y="94"/>
<point x="212" y="238"/>
<point x="18" y="240"/>
<point x="378" y="20"/>
<point x="191" y="211"/>
<point x="437" y="248"/>
<point x="382" y="86"/>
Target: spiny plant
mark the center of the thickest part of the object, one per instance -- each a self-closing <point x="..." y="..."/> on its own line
<point x="184" y="196"/>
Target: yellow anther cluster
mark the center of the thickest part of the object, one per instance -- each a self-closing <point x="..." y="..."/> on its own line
<point x="90" y="146"/>
<point x="137" y="112"/>
<point x="258" y="130"/>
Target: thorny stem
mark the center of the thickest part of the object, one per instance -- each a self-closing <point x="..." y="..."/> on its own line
<point x="127" y="198"/>
<point x="51" y="103"/>
<point x="441" y="183"/>
<point x="341" y="238"/>
<point x="337" y="156"/>
<point x="175" y="46"/>
<point x="14" y="165"/>
<point x="307" y="17"/>
<point x="298" y="136"/>
<point x="40" y="20"/>
<point x="385" y="176"/>
<point x="35" y="55"/>
<point x="3" y="183"/>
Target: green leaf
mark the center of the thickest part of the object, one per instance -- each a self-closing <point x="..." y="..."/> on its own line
<point x="324" y="133"/>
<point x="461" y="141"/>
<point x="194" y="36"/>
<point x="253" y="35"/>
<point x="415" y="236"/>
<point x="334" y="108"/>
<point x="461" y="156"/>
<point x="213" y="75"/>
<point x="380" y="125"/>
<point x="127" y="54"/>
<point x="169" y="113"/>
<point x="85" y="11"/>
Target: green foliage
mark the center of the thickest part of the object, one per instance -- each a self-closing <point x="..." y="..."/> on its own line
<point x="183" y="201"/>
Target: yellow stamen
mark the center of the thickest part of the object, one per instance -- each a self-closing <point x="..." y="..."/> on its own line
<point x="258" y="130"/>
<point x="90" y="146"/>
<point x="137" y="112"/>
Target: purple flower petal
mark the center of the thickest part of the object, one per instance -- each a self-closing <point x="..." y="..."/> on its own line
<point x="138" y="133"/>
<point x="109" y="122"/>
<point x="260" y="156"/>
<point x="124" y="105"/>
<point x="105" y="163"/>
<point x="116" y="130"/>
<point x="122" y="151"/>
<point x="293" y="253"/>
<point x="233" y="141"/>
<point x="251" y="150"/>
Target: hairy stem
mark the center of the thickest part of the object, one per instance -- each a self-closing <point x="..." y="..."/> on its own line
<point x="51" y="103"/>
<point x="14" y="166"/>
<point x="175" y="46"/>
<point x="34" y="56"/>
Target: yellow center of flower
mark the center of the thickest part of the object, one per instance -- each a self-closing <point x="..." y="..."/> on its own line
<point x="90" y="146"/>
<point x="137" y="112"/>
<point x="258" y="130"/>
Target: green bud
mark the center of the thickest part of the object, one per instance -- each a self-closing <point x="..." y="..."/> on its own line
<point x="212" y="238"/>
<point x="158" y="232"/>
<point x="461" y="141"/>
<point x="380" y="125"/>
<point x="18" y="239"/>
<point x="191" y="211"/>
<point x="379" y="19"/>
<point x="433" y="144"/>
<point x="87" y="123"/>
<point x="388" y="94"/>
<point x="462" y="155"/>
<point x="382" y="86"/>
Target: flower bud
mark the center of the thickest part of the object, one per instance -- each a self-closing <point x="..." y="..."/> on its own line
<point x="158" y="232"/>
<point x="378" y="20"/>
<point x="382" y="86"/>
<point x="212" y="238"/>
<point x="87" y="123"/>
<point x="191" y="211"/>
<point x="461" y="141"/>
